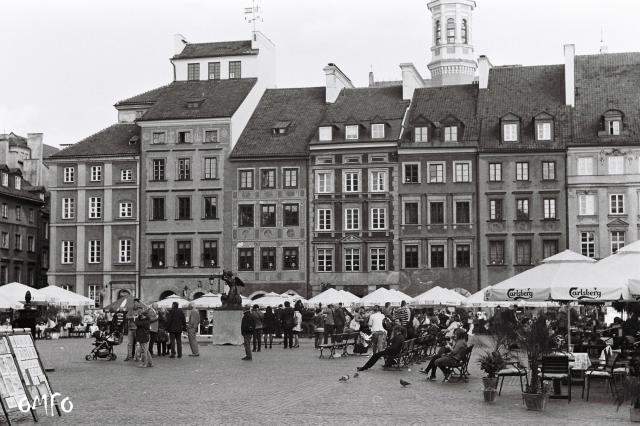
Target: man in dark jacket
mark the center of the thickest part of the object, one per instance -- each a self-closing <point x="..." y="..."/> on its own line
<point x="287" y="321"/>
<point x="143" y="337"/>
<point x="394" y="348"/>
<point x="247" y="327"/>
<point x="176" y="324"/>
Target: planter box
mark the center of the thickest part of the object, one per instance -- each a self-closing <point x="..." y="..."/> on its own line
<point x="634" y="414"/>
<point x="535" y="401"/>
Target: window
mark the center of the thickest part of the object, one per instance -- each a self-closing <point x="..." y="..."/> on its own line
<point x="245" y="215"/>
<point x="290" y="178"/>
<point x="96" y="173"/>
<point x="616" y="165"/>
<point x="18" y="182"/>
<point x="95" y="251"/>
<point x="210" y="169"/>
<point x="158" y="254"/>
<point x="17" y="274"/>
<point x="523" y="252"/>
<point x="616" y="203"/>
<point x="69" y="175"/>
<point x="157" y="208"/>
<point x="210" y="207"/>
<point x="522" y="209"/>
<point x="290" y="215"/>
<point x="495" y="172"/>
<point x="463" y="212"/>
<point x="159" y="138"/>
<point x="18" y="242"/>
<point x="235" y="69"/>
<point x="543" y="131"/>
<point x="549" y="208"/>
<point x="495" y="210"/>
<point x="245" y="259"/>
<point x="617" y="241"/>
<point x="95" y="207"/>
<point x="510" y="132"/>
<point x="378" y="218"/>
<point x="378" y="259"/>
<point x="93" y="293"/>
<point x="352" y="219"/>
<point x="436" y="256"/>
<point x="184" y="208"/>
<point x="522" y="171"/>
<point x="438" y="31"/>
<point x="377" y="131"/>
<point x="324" y="182"/>
<point x="411" y="216"/>
<point x="451" y="134"/>
<point x="613" y="127"/>
<point x="351" y="260"/>
<point x="586" y="204"/>
<point x="290" y="258"/>
<point x="325" y="133"/>
<point x="548" y="170"/>
<point x="214" y="70"/>
<point x="464" y="32"/>
<point x="5" y="179"/>
<point x="126" y="175"/>
<point x="5" y="210"/>
<point x="351" y="181"/>
<point x="246" y="179"/>
<point x="45" y="259"/>
<point x="351" y="132"/>
<point x="462" y="172"/>
<point x="4" y="274"/>
<point x="125" y="251"/>
<point x="588" y="243"/>
<point x="324" y="258"/>
<point x="268" y="215"/>
<point x="184" y="169"/>
<point x="193" y="72"/>
<point x="412" y="173"/>
<point x="126" y="209"/>
<point x="18" y="213"/>
<point x="4" y="243"/>
<point x="549" y="248"/>
<point x="211" y="136"/>
<point x="436" y="172"/>
<point x="68" y="208"/>
<point x="411" y="259"/>
<point x="158" y="169"/>
<point x="378" y="179"/>
<point x="183" y="256"/>
<point x="421" y="134"/>
<point x="463" y="255"/>
<point x="268" y="178"/>
<point x="67" y="252"/>
<point x="209" y="253"/>
<point x="585" y="166"/>
<point x="324" y="219"/>
<point x="451" y="31"/>
<point x="436" y="212"/>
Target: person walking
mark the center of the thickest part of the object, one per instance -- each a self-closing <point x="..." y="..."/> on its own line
<point x="257" y="331"/>
<point x="152" y="313"/>
<point x="328" y="323"/>
<point x="378" y="332"/>
<point x="269" y="327"/>
<point x="297" y="327"/>
<point x="192" y="329"/>
<point x="143" y="336"/>
<point x="287" y="320"/>
<point x="340" y="318"/>
<point x="176" y="324"/>
<point x="246" y="329"/>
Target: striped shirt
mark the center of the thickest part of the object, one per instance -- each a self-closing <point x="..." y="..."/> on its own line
<point x="402" y="314"/>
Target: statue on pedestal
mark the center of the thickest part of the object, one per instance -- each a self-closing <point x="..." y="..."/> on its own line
<point x="232" y="300"/>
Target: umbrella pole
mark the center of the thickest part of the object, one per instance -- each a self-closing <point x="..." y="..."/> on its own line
<point x="568" y="326"/>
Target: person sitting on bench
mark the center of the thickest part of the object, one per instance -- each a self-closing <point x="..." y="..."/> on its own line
<point x="461" y="341"/>
<point x="394" y="348"/>
<point x="453" y="358"/>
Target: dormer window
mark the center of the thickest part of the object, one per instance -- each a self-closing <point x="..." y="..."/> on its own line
<point x="377" y="131"/>
<point x="351" y="132"/>
<point x="543" y="127"/>
<point x="613" y="127"/>
<point x="194" y="103"/>
<point x="510" y="127"/>
<point x="134" y="140"/>
<point x="18" y="182"/>
<point x="5" y="179"/>
<point x="612" y="123"/>
<point x="235" y="69"/>
<point x="280" y="128"/>
<point x="325" y="133"/>
<point x="421" y="134"/>
<point x="193" y="72"/>
<point x="451" y="134"/>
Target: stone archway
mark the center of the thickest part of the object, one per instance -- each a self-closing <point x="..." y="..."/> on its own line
<point x="197" y="294"/>
<point x="166" y="294"/>
<point x="257" y="294"/>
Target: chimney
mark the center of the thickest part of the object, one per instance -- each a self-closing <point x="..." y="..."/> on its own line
<point x="371" y="79"/>
<point x="569" y="74"/>
<point x="34" y="142"/>
<point x="484" y="65"/>
<point x="411" y="80"/>
<point x="336" y="80"/>
<point x="179" y="42"/>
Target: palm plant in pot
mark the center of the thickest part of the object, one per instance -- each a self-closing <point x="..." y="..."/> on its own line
<point x="535" y="338"/>
<point x="491" y="363"/>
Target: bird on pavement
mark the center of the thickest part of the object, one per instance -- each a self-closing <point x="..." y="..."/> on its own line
<point x="344" y="378"/>
<point x="404" y="383"/>
<point x="356" y="375"/>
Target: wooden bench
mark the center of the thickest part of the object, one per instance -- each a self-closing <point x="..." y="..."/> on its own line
<point x="461" y="371"/>
<point x="405" y="357"/>
<point x="339" y="341"/>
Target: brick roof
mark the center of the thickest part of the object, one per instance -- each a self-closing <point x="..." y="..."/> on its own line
<point x="148" y="97"/>
<point x="220" y="98"/>
<point x="112" y="141"/>
<point x="437" y="104"/>
<point x="301" y="109"/>
<point x="605" y="82"/>
<point x="48" y="150"/>
<point x="210" y="50"/>
<point x="18" y="193"/>
<point x="524" y="92"/>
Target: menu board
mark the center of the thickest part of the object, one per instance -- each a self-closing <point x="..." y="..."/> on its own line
<point x="12" y="390"/>
<point x="29" y="364"/>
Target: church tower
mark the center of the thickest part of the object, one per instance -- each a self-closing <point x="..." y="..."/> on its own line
<point x="452" y="57"/>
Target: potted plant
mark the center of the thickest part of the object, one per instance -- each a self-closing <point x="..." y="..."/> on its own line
<point x="491" y="363"/>
<point x="537" y="341"/>
<point x="631" y="390"/>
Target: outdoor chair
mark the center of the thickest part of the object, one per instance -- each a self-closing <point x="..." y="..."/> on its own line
<point x="514" y="369"/>
<point x="461" y="371"/>
<point x="557" y="368"/>
<point x="605" y="372"/>
<point x="397" y="362"/>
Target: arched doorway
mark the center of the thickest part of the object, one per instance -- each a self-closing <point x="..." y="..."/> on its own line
<point x="198" y="294"/>
<point x="166" y="294"/>
<point x="257" y="295"/>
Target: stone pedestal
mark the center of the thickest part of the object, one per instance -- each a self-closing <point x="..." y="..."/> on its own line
<point x="226" y="327"/>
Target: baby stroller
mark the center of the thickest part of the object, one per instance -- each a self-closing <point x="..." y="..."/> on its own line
<point x="103" y="346"/>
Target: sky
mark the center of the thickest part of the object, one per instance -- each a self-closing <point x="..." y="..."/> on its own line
<point x="64" y="63"/>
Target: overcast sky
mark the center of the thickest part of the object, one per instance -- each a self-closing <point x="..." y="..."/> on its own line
<point x="64" y="63"/>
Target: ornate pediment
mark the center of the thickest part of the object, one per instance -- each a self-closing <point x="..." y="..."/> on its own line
<point x="617" y="223"/>
<point x="350" y="238"/>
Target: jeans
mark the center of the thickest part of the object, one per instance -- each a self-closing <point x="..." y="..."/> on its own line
<point x="146" y="356"/>
<point x="432" y="364"/>
<point x="288" y="337"/>
<point x="161" y="348"/>
<point x="247" y="344"/>
<point x="268" y="338"/>
<point x="445" y="363"/>
<point x="193" y="341"/>
<point x="375" y="357"/>
<point x="131" y="344"/>
<point x="152" y="340"/>
<point x="378" y="341"/>
<point x="257" y="339"/>
<point x="175" y="339"/>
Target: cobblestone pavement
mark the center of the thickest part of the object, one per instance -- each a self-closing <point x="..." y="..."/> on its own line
<point x="284" y="387"/>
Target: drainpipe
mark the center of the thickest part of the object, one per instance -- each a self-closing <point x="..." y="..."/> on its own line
<point x="174" y="69"/>
<point x="307" y="233"/>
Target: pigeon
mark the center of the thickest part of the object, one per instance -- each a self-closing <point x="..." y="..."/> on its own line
<point x="356" y="375"/>
<point x="404" y="383"/>
<point x="344" y="378"/>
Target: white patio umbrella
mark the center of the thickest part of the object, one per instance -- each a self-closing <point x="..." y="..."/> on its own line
<point x="349" y="298"/>
<point x="621" y="269"/>
<point x="14" y="293"/>
<point x="168" y="302"/>
<point x="207" y="301"/>
<point x="331" y="296"/>
<point x="382" y="296"/>
<point x="66" y="297"/>
<point x="438" y="296"/>
<point x="477" y="300"/>
<point x="270" y="299"/>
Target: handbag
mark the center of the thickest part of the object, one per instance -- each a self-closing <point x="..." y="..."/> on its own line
<point x="354" y="325"/>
